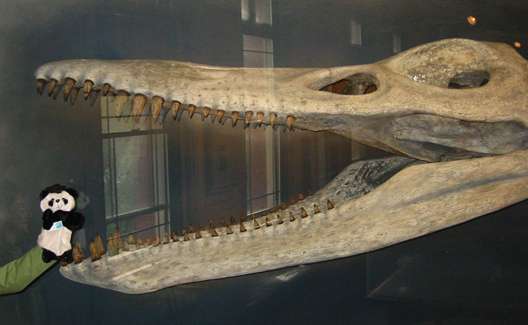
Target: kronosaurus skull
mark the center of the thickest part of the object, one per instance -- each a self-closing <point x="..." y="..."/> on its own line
<point x="454" y="113"/>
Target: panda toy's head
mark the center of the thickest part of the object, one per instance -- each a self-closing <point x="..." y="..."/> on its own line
<point x="57" y="198"/>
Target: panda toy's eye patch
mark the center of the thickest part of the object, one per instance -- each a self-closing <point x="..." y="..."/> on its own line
<point x="62" y="201"/>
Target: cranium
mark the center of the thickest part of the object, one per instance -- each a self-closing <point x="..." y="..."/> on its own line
<point x="454" y="113"/>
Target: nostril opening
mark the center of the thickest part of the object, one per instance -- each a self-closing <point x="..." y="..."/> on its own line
<point x="469" y="79"/>
<point x="356" y="84"/>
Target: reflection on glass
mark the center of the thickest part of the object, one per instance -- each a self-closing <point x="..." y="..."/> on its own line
<point x="355" y="33"/>
<point x="244" y="10"/>
<point x="135" y="174"/>
<point x="263" y="12"/>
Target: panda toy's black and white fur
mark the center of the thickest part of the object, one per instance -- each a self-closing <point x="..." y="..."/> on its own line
<point x="59" y="222"/>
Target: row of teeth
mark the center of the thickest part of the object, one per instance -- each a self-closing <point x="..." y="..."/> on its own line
<point x="115" y="243"/>
<point x="159" y="107"/>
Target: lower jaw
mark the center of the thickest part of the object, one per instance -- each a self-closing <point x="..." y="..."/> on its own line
<point x="420" y="199"/>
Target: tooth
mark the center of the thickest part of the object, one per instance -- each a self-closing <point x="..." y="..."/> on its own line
<point x="56" y="92"/>
<point x="300" y="197"/>
<point x="93" y="252"/>
<point x="174" y="237"/>
<point x="197" y="233"/>
<point x="157" y="103"/>
<point x="175" y="109"/>
<point x="273" y="119"/>
<point x="73" y="95"/>
<point x="212" y="229"/>
<point x="106" y="89"/>
<point x="120" y="101"/>
<point x="248" y="116"/>
<point x="329" y="205"/>
<point x="68" y="86"/>
<point x="268" y="222"/>
<point x="185" y="235"/>
<point x="138" y="106"/>
<point x="41" y="83"/>
<point x="205" y="113"/>
<point x="99" y="245"/>
<point x="289" y="122"/>
<point x="304" y="214"/>
<point x="292" y="217"/>
<point x="191" y="109"/>
<point x="87" y="89"/>
<point x="235" y="116"/>
<point x="77" y="253"/>
<point x="279" y="218"/>
<point x="242" y="228"/>
<point x="51" y="86"/>
<point x="316" y="209"/>
<point x="256" y="224"/>
<point x="220" y="114"/>
<point x="229" y="231"/>
<point x="260" y="118"/>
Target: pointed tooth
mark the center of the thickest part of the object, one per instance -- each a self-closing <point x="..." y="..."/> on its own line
<point x="260" y="118"/>
<point x="120" y="101"/>
<point x="242" y="227"/>
<point x="256" y="224"/>
<point x="316" y="209"/>
<point x="186" y="235"/>
<point x="229" y="231"/>
<point x="155" y="106"/>
<point x="138" y="106"/>
<point x="57" y="91"/>
<point x="289" y="122"/>
<point x="106" y="89"/>
<point x="304" y="214"/>
<point x="175" y="109"/>
<point x="205" y="113"/>
<point x="197" y="233"/>
<point x="51" y="86"/>
<point x="74" y="94"/>
<point x="78" y="255"/>
<point x="41" y="83"/>
<point x="212" y="229"/>
<point x="268" y="222"/>
<point x="300" y="197"/>
<point x="87" y="88"/>
<point x="248" y="116"/>
<point x="191" y="109"/>
<point x="273" y="119"/>
<point x="329" y="204"/>
<point x="235" y="116"/>
<point x="69" y="83"/>
<point x="220" y="114"/>
<point x="279" y="218"/>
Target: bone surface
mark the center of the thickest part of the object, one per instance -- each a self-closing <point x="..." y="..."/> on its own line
<point x="456" y="109"/>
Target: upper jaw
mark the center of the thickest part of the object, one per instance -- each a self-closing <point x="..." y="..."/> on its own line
<point x="411" y="94"/>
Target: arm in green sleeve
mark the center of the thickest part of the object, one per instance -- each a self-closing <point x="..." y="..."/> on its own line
<point x="18" y="274"/>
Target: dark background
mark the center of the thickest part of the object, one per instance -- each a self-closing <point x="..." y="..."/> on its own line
<point x="471" y="274"/>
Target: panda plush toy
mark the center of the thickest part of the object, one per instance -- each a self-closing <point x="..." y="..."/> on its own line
<point x="59" y="222"/>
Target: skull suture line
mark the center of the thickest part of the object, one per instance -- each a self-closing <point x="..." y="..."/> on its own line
<point x="455" y="112"/>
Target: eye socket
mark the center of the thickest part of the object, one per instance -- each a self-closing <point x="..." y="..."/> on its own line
<point x="65" y="201"/>
<point x="356" y="84"/>
<point x="50" y="202"/>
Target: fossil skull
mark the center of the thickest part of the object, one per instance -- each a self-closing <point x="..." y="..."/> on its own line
<point x="454" y="113"/>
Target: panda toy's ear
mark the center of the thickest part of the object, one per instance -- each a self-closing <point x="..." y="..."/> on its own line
<point x="72" y="192"/>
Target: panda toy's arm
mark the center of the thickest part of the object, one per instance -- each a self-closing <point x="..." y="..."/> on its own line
<point x="49" y="218"/>
<point x="72" y="220"/>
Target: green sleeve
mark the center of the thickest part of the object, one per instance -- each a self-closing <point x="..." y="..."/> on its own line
<point x="18" y="274"/>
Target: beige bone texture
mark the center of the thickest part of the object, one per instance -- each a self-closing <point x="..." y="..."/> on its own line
<point x="455" y="111"/>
